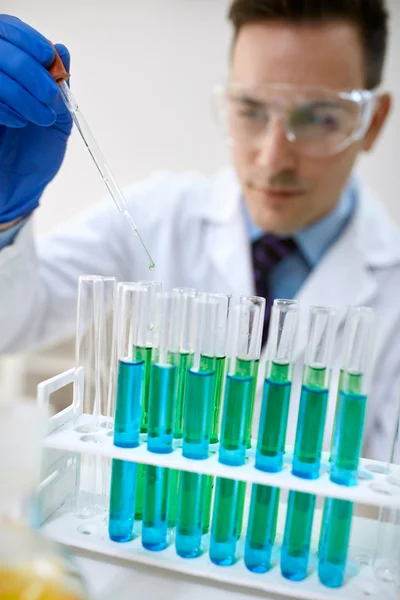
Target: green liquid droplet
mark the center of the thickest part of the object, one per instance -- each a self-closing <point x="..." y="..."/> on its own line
<point x="152" y="266"/>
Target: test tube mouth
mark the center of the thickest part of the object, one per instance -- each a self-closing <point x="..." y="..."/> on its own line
<point x="321" y="337"/>
<point x="185" y="290"/>
<point x="282" y="331"/>
<point x="358" y="350"/>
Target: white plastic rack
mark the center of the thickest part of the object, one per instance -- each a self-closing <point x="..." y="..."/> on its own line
<point x="64" y="447"/>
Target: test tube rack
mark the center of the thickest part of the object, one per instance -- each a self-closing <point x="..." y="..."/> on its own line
<point x="64" y="448"/>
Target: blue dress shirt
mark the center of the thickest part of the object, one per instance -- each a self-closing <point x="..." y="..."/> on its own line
<point x="313" y="241"/>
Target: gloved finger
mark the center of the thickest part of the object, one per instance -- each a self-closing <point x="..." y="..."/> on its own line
<point x="26" y="38"/>
<point x="18" y="99"/>
<point x="28" y="72"/>
<point x="64" y="55"/>
<point x="10" y="118"/>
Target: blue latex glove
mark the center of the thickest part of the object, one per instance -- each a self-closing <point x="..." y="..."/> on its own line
<point x="34" y="122"/>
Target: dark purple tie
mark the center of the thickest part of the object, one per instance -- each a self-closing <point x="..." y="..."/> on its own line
<point x="267" y="252"/>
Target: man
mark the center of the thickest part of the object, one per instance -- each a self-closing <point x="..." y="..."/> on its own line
<point x="299" y="108"/>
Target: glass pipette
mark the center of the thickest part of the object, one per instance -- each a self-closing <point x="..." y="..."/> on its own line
<point x="60" y="76"/>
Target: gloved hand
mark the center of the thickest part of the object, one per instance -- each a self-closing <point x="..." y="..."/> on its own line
<point x="34" y="122"/>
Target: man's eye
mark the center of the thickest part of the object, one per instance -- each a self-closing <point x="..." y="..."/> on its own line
<point x="253" y="113"/>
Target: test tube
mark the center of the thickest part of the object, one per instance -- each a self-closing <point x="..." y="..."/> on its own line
<point x="295" y="550"/>
<point x="155" y="510"/>
<point x="227" y="520"/>
<point x="130" y="380"/>
<point x="173" y="488"/>
<point x="314" y="393"/>
<point x="127" y="415"/>
<point x="386" y="561"/>
<point x="261" y="529"/>
<point x="245" y="331"/>
<point x="183" y="359"/>
<point x="163" y="374"/>
<point x="142" y="350"/>
<point x="354" y="383"/>
<point x="201" y="381"/>
<point x="93" y="348"/>
<point x="209" y="483"/>
<point x="277" y="386"/>
<point x="184" y="356"/>
<point x="221" y="334"/>
<point x="161" y="420"/>
<point x="334" y="541"/>
<point x="93" y="352"/>
<point x="189" y="526"/>
<point x="144" y="340"/>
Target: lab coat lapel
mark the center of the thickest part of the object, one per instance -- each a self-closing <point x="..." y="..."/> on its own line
<point x="227" y="239"/>
<point x="341" y="279"/>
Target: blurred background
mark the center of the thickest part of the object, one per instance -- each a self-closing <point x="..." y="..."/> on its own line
<point x="142" y="72"/>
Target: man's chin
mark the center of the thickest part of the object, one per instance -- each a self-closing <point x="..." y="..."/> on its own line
<point x="275" y="226"/>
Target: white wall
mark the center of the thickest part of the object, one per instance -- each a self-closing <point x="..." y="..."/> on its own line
<point x="142" y="71"/>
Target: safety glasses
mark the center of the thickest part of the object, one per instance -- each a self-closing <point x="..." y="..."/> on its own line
<point x="317" y="121"/>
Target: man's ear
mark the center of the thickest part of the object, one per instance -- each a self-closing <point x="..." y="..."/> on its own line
<point x="381" y="114"/>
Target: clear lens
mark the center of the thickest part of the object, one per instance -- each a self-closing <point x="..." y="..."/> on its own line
<point x="317" y="122"/>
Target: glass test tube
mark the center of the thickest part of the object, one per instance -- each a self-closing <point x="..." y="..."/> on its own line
<point x="183" y="359"/>
<point x="163" y="374"/>
<point x="200" y="394"/>
<point x="314" y="393"/>
<point x="354" y="383"/>
<point x="277" y="386"/>
<point x="227" y="520"/>
<point x="93" y="348"/>
<point x="309" y="438"/>
<point x="155" y="511"/>
<point x="334" y="542"/>
<point x="347" y="439"/>
<point x="244" y="347"/>
<point x="190" y="517"/>
<point x="93" y="352"/>
<point x="144" y="340"/>
<point x="130" y="381"/>
<point x="142" y="350"/>
<point x="261" y="529"/>
<point x="201" y="381"/>
<point x="295" y="550"/>
<point x="221" y="334"/>
<point x="209" y="483"/>
<point x="386" y="562"/>
<point x="184" y="356"/>
<point x="127" y="415"/>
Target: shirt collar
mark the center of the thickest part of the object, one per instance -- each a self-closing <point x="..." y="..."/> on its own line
<point x="314" y="240"/>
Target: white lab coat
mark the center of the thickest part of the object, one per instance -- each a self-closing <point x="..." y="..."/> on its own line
<point x="196" y="232"/>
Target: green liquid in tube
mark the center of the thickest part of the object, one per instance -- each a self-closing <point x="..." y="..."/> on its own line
<point x="174" y="477"/>
<point x="228" y="510"/>
<point x="248" y="368"/>
<point x="184" y="361"/>
<point x="217" y="364"/>
<point x="274" y="415"/>
<point x="311" y="423"/>
<point x="142" y="353"/>
<point x="208" y="491"/>
<point x="140" y="484"/>
<point x="350" y="383"/>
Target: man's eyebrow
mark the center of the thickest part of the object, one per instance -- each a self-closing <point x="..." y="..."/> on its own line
<point x="243" y="99"/>
<point x="321" y="102"/>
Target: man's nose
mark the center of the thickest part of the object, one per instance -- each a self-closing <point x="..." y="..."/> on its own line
<point x="275" y="151"/>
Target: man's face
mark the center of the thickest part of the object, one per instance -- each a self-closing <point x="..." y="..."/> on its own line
<point x="286" y="190"/>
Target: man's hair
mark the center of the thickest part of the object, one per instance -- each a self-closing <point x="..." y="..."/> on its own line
<point x="369" y="16"/>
